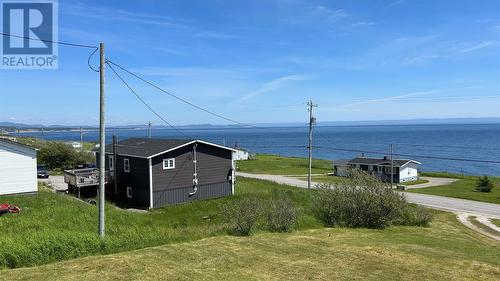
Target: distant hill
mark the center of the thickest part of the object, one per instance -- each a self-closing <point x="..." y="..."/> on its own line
<point x="12" y="126"/>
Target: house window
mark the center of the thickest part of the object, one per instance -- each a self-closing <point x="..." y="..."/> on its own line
<point x="129" y="192"/>
<point x="126" y="165"/>
<point x="111" y="163"/>
<point x="388" y="170"/>
<point x="169" y="163"/>
<point x="379" y="169"/>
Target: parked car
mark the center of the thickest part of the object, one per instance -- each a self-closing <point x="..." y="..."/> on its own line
<point x="41" y="172"/>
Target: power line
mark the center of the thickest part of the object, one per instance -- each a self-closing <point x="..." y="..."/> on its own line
<point x="145" y="103"/>
<point x="179" y="98"/>
<point x="410" y="155"/>
<point x="59" y="43"/>
<point x="407" y="144"/>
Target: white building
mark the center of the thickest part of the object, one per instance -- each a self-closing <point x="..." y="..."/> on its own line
<point x="240" y="154"/>
<point x="404" y="169"/>
<point x="17" y="168"/>
<point x="75" y="145"/>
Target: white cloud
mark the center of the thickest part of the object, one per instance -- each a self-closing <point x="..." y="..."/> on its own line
<point x="363" y="23"/>
<point x="477" y="46"/>
<point x="274" y="85"/>
<point x="215" y="35"/>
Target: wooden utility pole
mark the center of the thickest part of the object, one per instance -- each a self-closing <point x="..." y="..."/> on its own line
<point x="81" y="139"/>
<point x="102" y="143"/>
<point x="115" y="154"/>
<point x="149" y="130"/>
<point x="312" y="121"/>
<point x="392" y="166"/>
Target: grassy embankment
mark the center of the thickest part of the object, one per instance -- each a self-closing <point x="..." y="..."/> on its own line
<point x="464" y="187"/>
<point x="445" y="251"/>
<point x="54" y="227"/>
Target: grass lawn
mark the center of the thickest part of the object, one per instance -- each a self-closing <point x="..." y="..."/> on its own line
<point x="464" y="188"/>
<point x="496" y="222"/>
<point x="445" y="251"/>
<point x="419" y="181"/>
<point x="276" y="165"/>
<point x="323" y="179"/>
<point x="53" y="227"/>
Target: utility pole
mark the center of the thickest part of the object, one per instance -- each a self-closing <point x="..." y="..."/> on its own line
<point x="42" y="133"/>
<point x="392" y="166"/>
<point x="102" y="142"/>
<point x="81" y="139"/>
<point x="149" y="130"/>
<point x="312" y="121"/>
<point x="115" y="154"/>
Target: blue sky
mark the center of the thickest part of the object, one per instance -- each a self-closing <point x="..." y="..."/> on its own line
<point x="261" y="61"/>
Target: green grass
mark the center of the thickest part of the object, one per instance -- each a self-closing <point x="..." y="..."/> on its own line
<point x="464" y="188"/>
<point x="53" y="227"/>
<point x="496" y="222"/>
<point x="277" y="165"/>
<point x="473" y="220"/>
<point x="419" y="181"/>
<point x="323" y="179"/>
<point x="445" y="251"/>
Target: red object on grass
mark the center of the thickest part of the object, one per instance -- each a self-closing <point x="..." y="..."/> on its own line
<point x="7" y="208"/>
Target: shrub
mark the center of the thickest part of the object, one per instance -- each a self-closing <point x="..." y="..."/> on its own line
<point x="484" y="184"/>
<point x="242" y="215"/>
<point x="281" y="213"/>
<point x="416" y="215"/>
<point x="62" y="156"/>
<point x="359" y="201"/>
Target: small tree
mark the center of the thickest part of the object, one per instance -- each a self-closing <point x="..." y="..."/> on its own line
<point x="484" y="184"/>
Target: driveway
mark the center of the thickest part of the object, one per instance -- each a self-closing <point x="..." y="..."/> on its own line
<point x="455" y="205"/>
<point x="432" y="182"/>
<point x="56" y="182"/>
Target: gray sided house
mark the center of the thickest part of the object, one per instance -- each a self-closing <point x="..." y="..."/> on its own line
<point x="404" y="169"/>
<point x="153" y="173"/>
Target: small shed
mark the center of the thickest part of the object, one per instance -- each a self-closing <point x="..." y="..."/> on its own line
<point x="18" y="172"/>
<point x="152" y="173"/>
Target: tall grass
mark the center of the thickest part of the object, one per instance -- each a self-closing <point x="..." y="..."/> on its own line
<point x="53" y="227"/>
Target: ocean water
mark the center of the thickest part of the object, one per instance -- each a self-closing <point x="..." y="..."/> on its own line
<point x="423" y="143"/>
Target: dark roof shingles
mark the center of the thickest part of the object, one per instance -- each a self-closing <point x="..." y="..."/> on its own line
<point x="145" y="147"/>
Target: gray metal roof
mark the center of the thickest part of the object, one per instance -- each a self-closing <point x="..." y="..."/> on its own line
<point x="147" y="148"/>
<point x="16" y="143"/>
<point x="380" y="161"/>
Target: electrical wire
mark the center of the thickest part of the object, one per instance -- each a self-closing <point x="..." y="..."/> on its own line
<point x="59" y="43"/>
<point x="409" y="155"/>
<point x="179" y="98"/>
<point x="145" y="103"/>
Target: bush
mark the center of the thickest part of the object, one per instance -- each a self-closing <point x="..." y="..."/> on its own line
<point x="359" y="201"/>
<point x="416" y="215"/>
<point x="57" y="155"/>
<point x="242" y="215"/>
<point x="281" y="213"/>
<point x="484" y="184"/>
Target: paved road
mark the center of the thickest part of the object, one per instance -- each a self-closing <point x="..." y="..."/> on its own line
<point x="432" y="182"/>
<point x="456" y="205"/>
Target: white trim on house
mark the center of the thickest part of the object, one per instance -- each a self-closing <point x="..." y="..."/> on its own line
<point x="150" y="183"/>
<point x="170" y="163"/>
<point x="129" y="192"/>
<point x="174" y="148"/>
<point x="111" y="162"/>
<point x="191" y="142"/>
<point x="233" y="174"/>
